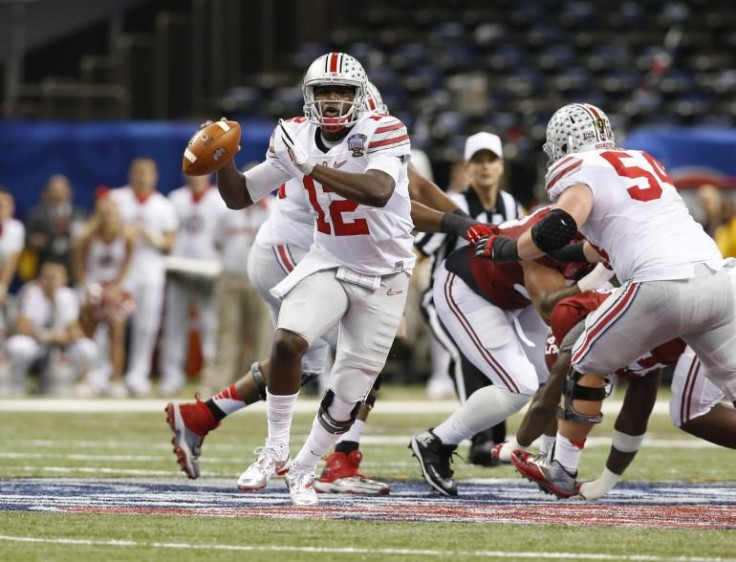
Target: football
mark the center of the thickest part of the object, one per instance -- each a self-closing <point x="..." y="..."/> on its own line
<point x="211" y="148"/>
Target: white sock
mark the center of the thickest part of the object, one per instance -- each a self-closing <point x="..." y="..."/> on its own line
<point x="317" y="444"/>
<point x="319" y="440"/>
<point x="485" y="408"/>
<point x="353" y="433"/>
<point x="279" y="411"/>
<point x="568" y="453"/>
<point x="547" y="442"/>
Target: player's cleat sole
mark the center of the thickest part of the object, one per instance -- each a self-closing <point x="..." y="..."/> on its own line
<point x="353" y="485"/>
<point x="186" y="452"/>
<point x="551" y="478"/>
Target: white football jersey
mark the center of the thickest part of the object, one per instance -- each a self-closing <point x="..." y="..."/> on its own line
<point x="154" y="213"/>
<point x="105" y="259"/>
<point x="12" y="238"/>
<point x="199" y="219"/>
<point x="368" y="240"/>
<point x="237" y="232"/>
<point x="43" y="312"/>
<point x="638" y="222"/>
<point x="291" y="221"/>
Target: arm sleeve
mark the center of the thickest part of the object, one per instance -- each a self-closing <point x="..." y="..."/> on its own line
<point x="264" y="178"/>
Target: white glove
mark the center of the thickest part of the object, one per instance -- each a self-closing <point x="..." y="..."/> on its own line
<point x="595" y="279"/>
<point x="298" y="155"/>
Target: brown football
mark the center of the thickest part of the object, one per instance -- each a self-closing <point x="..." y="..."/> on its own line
<point x="211" y="148"/>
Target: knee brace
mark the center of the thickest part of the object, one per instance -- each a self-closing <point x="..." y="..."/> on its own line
<point x="330" y="424"/>
<point x="573" y="391"/>
<point x="258" y="379"/>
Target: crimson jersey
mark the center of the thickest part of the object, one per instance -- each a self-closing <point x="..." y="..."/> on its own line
<point x="571" y="310"/>
<point x="502" y="283"/>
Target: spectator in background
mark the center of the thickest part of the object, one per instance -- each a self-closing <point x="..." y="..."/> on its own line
<point x="48" y="321"/>
<point x="192" y="268"/>
<point x="102" y="257"/>
<point x="53" y="224"/>
<point x="725" y="234"/>
<point x="710" y="203"/>
<point x="12" y="234"/>
<point x="244" y="332"/>
<point x="153" y="220"/>
<point x="459" y="179"/>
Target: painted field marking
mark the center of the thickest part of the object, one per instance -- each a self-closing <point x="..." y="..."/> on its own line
<point x="383" y="551"/>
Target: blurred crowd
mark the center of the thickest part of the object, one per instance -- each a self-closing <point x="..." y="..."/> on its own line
<point x="145" y="287"/>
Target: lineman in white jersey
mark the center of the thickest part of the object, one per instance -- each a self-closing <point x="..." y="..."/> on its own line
<point x="674" y="283"/>
<point x="154" y="221"/>
<point x="353" y="165"/>
<point x="199" y="210"/>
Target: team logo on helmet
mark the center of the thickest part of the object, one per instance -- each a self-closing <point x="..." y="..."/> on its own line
<point x="356" y="144"/>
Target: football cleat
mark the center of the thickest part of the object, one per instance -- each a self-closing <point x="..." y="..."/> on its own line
<point x="548" y="474"/>
<point x="434" y="460"/>
<point x="341" y="476"/>
<point x="272" y="459"/>
<point x="189" y="423"/>
<point x="300" y="481"/>
<point x="481" y="451"/>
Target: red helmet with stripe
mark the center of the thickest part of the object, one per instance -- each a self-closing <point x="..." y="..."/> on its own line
<point x="337" y="69"/>
<point x="575" y="128"/>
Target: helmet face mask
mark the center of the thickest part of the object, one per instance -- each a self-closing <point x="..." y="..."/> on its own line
<point x="334" y="69"/>
<point x="576" y="128"/>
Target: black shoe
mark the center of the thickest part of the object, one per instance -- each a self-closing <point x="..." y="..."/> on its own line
<point x="481" y="450"/>
<point x="434" y="460"/>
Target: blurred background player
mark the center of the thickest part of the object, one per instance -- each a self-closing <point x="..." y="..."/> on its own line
<point x="48" y="322"/>
<point x="102" y="258"/>
<point x="153" y="220"/>
<point x="484" y="200"/>
<point x="53" y="224"/>
<point x="12" y="234"/>
<point x="193" y="268"/>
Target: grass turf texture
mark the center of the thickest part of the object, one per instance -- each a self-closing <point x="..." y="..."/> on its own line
<point x="130" y="445"/>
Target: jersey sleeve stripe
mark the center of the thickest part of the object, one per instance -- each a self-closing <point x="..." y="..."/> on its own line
<point x="388" y="142"/>
<point x="388" y="128"/>
<point x="571" y="168"/>
<point x="560" y="164"/>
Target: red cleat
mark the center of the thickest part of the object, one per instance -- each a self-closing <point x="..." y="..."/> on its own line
<point x="341" y="476"/>
<point x="190" y="423"/>
<point x="546" y="473"/>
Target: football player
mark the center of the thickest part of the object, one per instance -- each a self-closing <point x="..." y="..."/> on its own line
<point x="490" y="312"/>
<point x="674" y="282"/>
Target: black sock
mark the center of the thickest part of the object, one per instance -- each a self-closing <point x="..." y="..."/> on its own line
<point x="215" y="409"/>
<point x="347" y="447"/>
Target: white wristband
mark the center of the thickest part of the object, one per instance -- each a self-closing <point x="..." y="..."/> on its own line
<point x="595" y="279"/>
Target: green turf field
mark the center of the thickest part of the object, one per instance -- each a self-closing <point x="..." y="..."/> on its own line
<point x="135" y="445"/>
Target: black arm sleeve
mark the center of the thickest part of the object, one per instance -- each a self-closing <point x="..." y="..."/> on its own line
<point x="570" y="253"/>
<point x="455" y="223"/>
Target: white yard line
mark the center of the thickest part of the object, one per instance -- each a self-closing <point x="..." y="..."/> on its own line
<point x="381" y="551"/>
<point x="309" y="406"/>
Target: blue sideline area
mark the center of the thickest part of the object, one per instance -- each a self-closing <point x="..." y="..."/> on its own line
<point x="91" y="154"/>
<point x="692" y="156"/>
<point x="97" y="153"/>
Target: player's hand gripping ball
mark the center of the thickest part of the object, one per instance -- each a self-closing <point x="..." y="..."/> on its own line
<point x="213" y="146"/>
